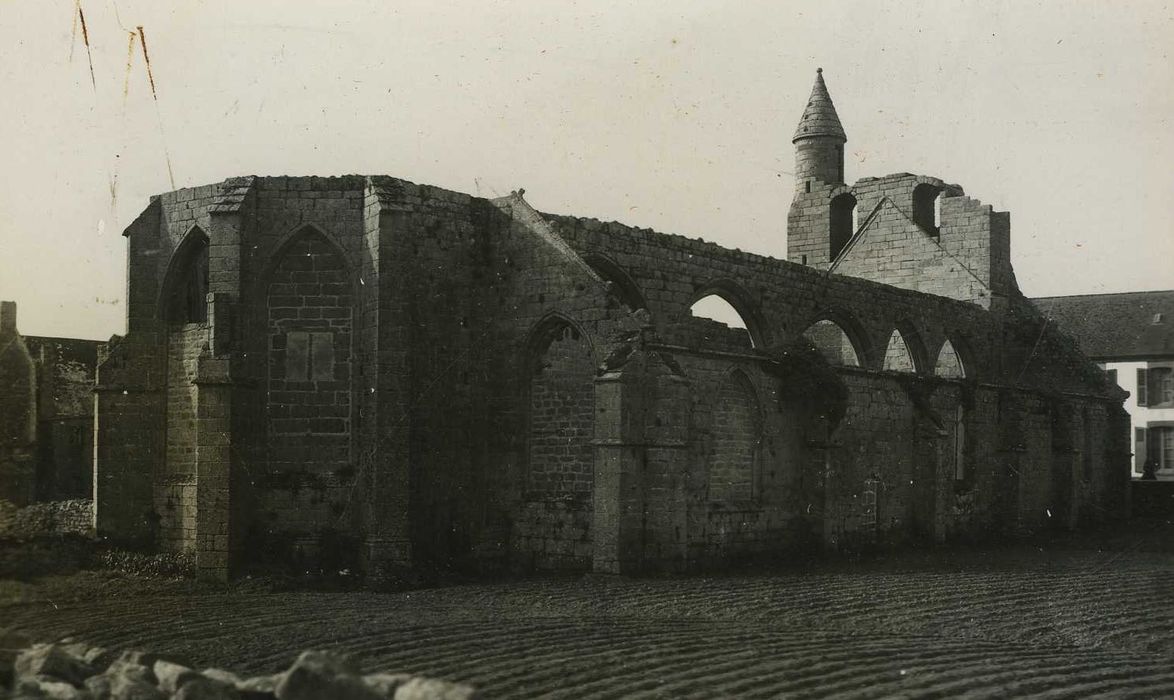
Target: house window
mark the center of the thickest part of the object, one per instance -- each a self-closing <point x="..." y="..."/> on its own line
<point x="1160" y="446"/>
<point x="1160" y="386"/>
<point x="1142" y="381"/>
<point x="309" y="356"/>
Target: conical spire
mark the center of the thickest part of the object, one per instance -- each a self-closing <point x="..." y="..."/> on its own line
<point x="820" y="118"/>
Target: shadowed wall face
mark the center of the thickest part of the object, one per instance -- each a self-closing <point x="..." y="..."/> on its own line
<point x="308" y="413"/>
<point x="562" y="400"/>
<point x="735" y="441"/>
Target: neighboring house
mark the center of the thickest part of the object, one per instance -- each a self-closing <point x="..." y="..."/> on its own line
<point x="46" y="414"/>
<point x="1131" y="335"/>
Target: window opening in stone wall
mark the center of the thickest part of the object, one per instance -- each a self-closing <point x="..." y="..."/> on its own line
<point x="841" y="218"/>
<point x="189" y="292"/>
<point x="736" y="435"/>
<point x="927" y="208"/>
<point x="949" y="364"/>
<point x="898" y="358"/>
<point x="720" y="323"/>
<point x="832" y="343"/>
<point x="1142" y="386"/>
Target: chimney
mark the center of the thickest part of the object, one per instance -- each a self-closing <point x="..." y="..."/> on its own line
<point x="7" y="318"/>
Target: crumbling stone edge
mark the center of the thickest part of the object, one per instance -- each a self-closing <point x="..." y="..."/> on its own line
<point x="76" y="671"/>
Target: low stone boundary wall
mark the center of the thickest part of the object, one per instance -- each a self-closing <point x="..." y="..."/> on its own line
<point x="79" y="671"/>
<point x="51" y="518"/>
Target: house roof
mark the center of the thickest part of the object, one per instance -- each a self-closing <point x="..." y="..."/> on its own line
<point x="1129" y="325"/>
<point x="819" y="118"/>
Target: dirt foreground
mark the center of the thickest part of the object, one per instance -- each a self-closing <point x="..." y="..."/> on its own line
<point x="1066" y="621"/>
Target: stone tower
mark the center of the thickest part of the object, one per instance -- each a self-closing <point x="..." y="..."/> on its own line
<point x="819" y="170"/>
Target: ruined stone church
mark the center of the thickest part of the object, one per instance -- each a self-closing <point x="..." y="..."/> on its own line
<point x="362" y="371"/>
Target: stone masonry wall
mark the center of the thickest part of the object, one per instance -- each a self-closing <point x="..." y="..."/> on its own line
<point x="561" y="417"/>
<point x="560" y="454"/>
<point x="175" y="492"/>
<point x="17" y="416"/>
<point x="468" y="457"/>
<point x="309" y="411"/>
<point x="735" y="440"/>
<point x="894" y="250"/>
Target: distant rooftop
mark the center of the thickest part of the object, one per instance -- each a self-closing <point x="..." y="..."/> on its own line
<point x="1128" y="325"/>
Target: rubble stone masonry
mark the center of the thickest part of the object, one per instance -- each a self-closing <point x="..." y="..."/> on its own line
<point x="387" y="374"/>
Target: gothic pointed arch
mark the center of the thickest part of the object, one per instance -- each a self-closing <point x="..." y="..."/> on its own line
<point x="623" y="287"/>
<point x="904" y="351"/>
<point x="278" y="252"/>
<point x="559" y="405"/>
<point x="949" y="363"/>
<point x="838" y="338"/>
<point x="183" y="294"/>
<point x="310" y="325"/>
<point x="734" y="310"/>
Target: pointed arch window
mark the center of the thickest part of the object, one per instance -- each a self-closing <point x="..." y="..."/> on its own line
<point x="949" y="364"/>
<point x="724" y="325"/>
<point x="898" y="356"/>
<point x="187" y="283"/>
<point x="833" y="343"/>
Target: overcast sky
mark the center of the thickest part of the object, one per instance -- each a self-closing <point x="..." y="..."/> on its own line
<point x="671" y="115"/>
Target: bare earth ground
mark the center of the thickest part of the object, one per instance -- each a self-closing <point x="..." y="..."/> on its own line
<point x="1075" y="619"/>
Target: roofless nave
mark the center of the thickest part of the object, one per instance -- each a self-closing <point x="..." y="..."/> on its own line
<point x="331" y="371"/>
